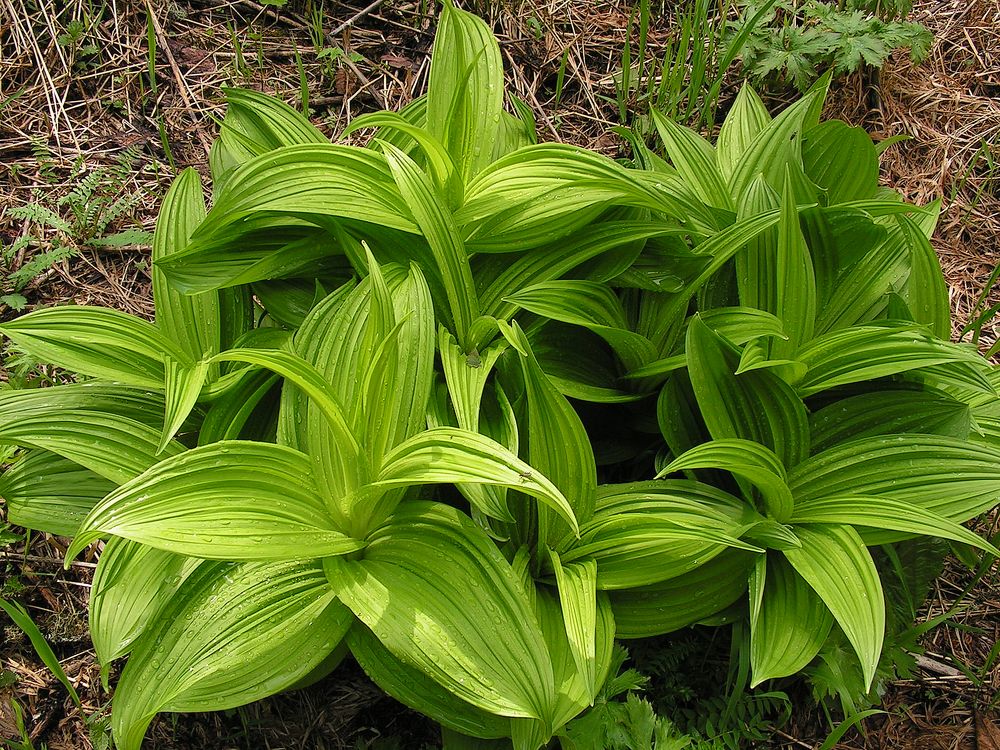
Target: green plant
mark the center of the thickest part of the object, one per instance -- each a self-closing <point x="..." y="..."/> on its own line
<point x="793" y="41"/>
<point x="471" y="408"/>
<point x="55" y="230"/>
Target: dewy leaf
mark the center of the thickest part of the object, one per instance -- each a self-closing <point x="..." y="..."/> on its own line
<point x="192" y="321"/>
<point x="593" y="306"/>
<point x="867" y="352"/>
<point x="438" y="594"/>
<point x="448" y="455"/>
<point x="438" y="227"/>
<point x="660" y="608"/>
<point x="745" y="120"/>
<point x="952" y="478"/>
<point x="756" y="405"/>
<point x="132" y="582"/>
<point x="47" y="492"/>
<point x="795" y="283"/>
<point x="465" y="90"/>
<point x="747" y="460"/>
<point x="410" y="686"/>
<point x="887" y="513"/>
<point x="558" y="445"/>
<point x="466" y="376"/>
<point x="231" y="500"/>
<point x="577" y="584"/>
<point x="233" y="633"/>
<point x="834" y="562"/>
<point x="104" y="428"/>
<point x="788" y="621"/>
<point x="926" y="292"/>
<point x="841" y="160"/>
<point x="695" y="161"/>
<point x="97" y="342"/>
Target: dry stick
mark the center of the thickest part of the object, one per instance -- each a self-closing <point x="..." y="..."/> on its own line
<point x="182" y="85"/>
<point x="356" y="17"/>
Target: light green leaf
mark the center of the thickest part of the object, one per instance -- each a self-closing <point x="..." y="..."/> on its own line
<point x="747" y="460"/>
<point x="834" y="562"/>
<point x="449" y="455"/>
<point x="788" y="621"/>
<point x="410" y="686"/>
<point x="745" y="120"/>
<point x="438" y="594"/>
<point x="887" y="513"/>
<point x="131" y="583"/>
<point x="231" y="500"/>
<point x="47" y="492"/>
<point x="841" y="160"/>
<point x="795" y="283"/>
<point x="577" y="584"/>
<point x="232" y="634"/>
<point x="695" y="161"/>
<point x="97" y="342"/>
<point x="466" y="376"/>
<point x="926" y="292"/>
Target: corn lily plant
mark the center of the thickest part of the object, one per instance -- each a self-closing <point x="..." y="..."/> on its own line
<point x="470" y="408"/>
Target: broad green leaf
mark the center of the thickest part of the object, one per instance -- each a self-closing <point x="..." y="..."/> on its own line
<point x="673" y="604"/>
<point x="788" y="621"/>
<point x="795" y="283"/>
<point x="773" y="148"/>
<point x="506" y="275"/>
<point x="465" y="90"/>
<point x="852" y="355"/>
<point x="104" y="428"/>
<point x="746" y="118"/>
<point x="47" y="492"/>
<point x="233" y="633"/>
<point x="577" y="584"/>
<point x="834" y="562"/>
<point x="448" y="455"/>
<point x="747" y="460"/>
<point x="889" y="412"/>
<point x="953" y="478"/>
<point x="887" y="513"/>
<point x="97" y="342"/>
<point x="438" y="227"/>
<point x="593" y="306"/>
<point x="231" y="500"/>
<point x="841" y="160"/>
<point x="695" y="161"/>
<point x="182" y="386"/>
<point x="438" y="594"/>
<point x="308" y="182"/>
<point x="466" y="376"/>
<point x="926" y="292"/>
<point x="131" y="583"/>
<point x="756" y="405"/>
<point x="742" y="324"/>
<point x="410" y="686"/>
<point x="192" y="322"/>
<point x="439" y="160"/>
<point x="559" y="446"/>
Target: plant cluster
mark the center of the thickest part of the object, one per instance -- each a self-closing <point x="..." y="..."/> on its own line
<point x="472" y="408"/>
<point x="791" y="41"/>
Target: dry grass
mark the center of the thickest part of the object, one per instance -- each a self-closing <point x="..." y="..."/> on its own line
<point x="67" y="110"/>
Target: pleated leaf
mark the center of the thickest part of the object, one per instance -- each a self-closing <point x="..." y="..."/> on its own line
<point x="231" y="500"/>
<point x="695" y="161"/>
<point x="47" y="492"/>
<point x="747" y="460"/>
<point x="104" y="428"/>
<point x="867" y="352"/>
<point x="887" y="513"/>
<point x="756" y="405"/>
<point x="788" y="621"/>
<point x="131" y="583"/>
<point x="834" y="562"/>
<point x="192" y="322"/>
<point x="438" y="594"/>
<point x="841" y="160"/>
<point x="745" y="119"/>
<point x="577" y="585"/>
<point x="410" y="686"/>
<point x="466" y="376"/>
<point x="233" y="633"/>
<point x="449" y="455"/>
<point x="97" y="342"/>
<point x="926" y="292"/>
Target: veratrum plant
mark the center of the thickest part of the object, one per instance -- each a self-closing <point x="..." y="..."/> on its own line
<point x="470" y="407"/>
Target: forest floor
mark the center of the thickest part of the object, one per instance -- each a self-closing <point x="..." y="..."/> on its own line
<point x="87" y="137"/>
